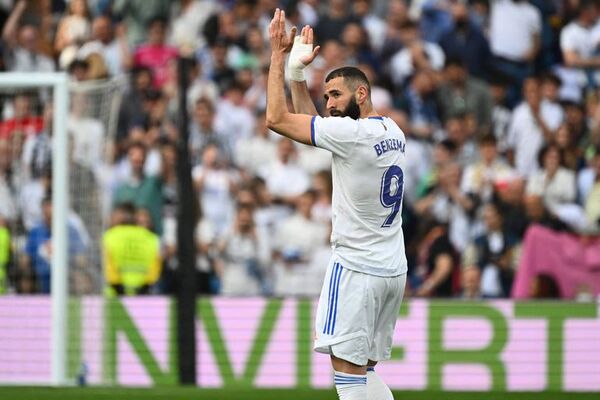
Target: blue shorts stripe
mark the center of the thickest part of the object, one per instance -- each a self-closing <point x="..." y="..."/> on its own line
<point x="312" y="131"/>
<point x="337" y="285"/>
<point x="329" y="298"/>
<point x="333" y="295"/>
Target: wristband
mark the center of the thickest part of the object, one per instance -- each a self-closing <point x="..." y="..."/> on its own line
<point x="295" y="66"/>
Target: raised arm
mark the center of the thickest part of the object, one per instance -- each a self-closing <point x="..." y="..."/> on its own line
<point x="279" y="119"/>
<point x="9" y="33"/>
<point x="302" y="55"/>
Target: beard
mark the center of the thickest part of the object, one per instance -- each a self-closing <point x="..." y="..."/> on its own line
<point x="352" y="110"/>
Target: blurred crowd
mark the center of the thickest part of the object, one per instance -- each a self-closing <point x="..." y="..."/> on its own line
<point x="499" y="101"/>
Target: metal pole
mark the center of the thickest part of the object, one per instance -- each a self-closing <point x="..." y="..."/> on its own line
<point x="60" y="237"/>
<point x="186" y="249"/>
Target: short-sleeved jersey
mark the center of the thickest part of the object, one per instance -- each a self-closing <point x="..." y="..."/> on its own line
<point x="368" y="184"/>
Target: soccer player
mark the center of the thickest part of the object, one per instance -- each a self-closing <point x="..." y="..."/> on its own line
<point x="365" y="280"/>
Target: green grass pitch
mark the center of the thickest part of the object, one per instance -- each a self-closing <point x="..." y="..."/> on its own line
<point x="181" y="393"/>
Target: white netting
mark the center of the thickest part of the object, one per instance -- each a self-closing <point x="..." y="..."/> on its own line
<point x="25" y="155"/>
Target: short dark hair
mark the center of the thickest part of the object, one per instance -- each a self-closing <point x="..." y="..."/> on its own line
<point x="488" y="139"/>
<point x="352" y="77"/>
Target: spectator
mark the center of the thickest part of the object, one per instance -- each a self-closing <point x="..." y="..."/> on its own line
<point x="38" y="249"/>
<point x="460" y="130"/>
<point x="233" y="118"/>
<point x="323" y="187"/>
<point x="246" y="254"/>
<point x="155" y="53"/>
<point x="137" y="14"/>
<point x="396" y="17"/>
<point x="332" y="23"/>
<point x="480" y="178"/>
<point x="501" y="114"/>
<point x="416" y="54"/>
<point x="23" y="50"/>
<point x="23" y="121"/>
<point x="8" y="199"/>
<point x="285" y="179"/>
<point x="466" y="42"/>
<point x="371" y="22"/>
<point x="589" y="192"/>
<point x="554" y="183"/>
<point x="493" y="253"/>
<point x="74" y="28"/>
<point x="437" y="262"/>
<point x="111" y="44"/>
<point x="463" y="94"/>
<point x="87" y="133"/>
<point x="131" y="256"/>
<point x="297" y="236"/>
<point x="4" y="257"/>
<point x="188" y="22"/>
<point x="141" y="190"/>
<point x="215" y="184"/>
<point x="421" y="106"/>
<point x="132" y="110"/>
<point x="579" y="46"/>
<point x="37" y="150"/>
<point x="203" y="131"/>
<point x="534" y="122"/>
<point x="515" y="49"/>
<point x="252" y="153"/>
<point x="470" y="283"/>
<point x="544" y="287"/>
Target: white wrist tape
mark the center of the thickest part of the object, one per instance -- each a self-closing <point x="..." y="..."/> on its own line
<point x="295" y="66"/>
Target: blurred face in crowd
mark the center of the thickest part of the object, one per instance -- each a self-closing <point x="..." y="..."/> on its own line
<point x="102" y="29"/>
<point x="143" y="218"/>
<point x="169" y="157"/>
<point x="78" y="7"/>
<point x="47" y="211"/>
<point x="333" y="53"/>
<point x="492" y="218"/>
<point x="563" y="137"/>
<point x="534" y="207"/>
<point x="341" y="99"/>
<point x="488" y="152"/>
<point x="28" y="38"/>
<point x="286" y="150"/>
<point x="550" y="89"/>
<point x="456" y="74"/>
<point x="423" y="82"/>
<point x="409" y="35"/>
<point x="305" y="204"/>
<point x="498" y="93"/>
<point x="156" y="33"/>
<point x="552" y="159"/>
<point x="456" y="129"/>
<point x="353" y="36"/>
<point x="245" y="197"/>
<point x="471" y="277"/>
<point x="210" y="156"/>
<point x="245" y="220"/>
<point x="460" y="13"/>
<point x="361" y="7"/>
<point x="574" y="115"/>
<point x="137" y="159"/>
<point x="5" y="155"/>
<point x="441" y="155"/>
<point x="532" y="91"/>
<point x="397" y="12"/>
<point x="22" y="106"/>
<point x="204" y="114"/>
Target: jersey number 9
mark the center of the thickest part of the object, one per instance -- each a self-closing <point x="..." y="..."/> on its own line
<point x="392" y="187"/>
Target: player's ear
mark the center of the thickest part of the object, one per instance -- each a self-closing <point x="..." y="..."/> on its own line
<point x="361" y="94"/>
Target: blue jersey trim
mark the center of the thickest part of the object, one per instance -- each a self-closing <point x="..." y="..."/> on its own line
<point x="378" y="117"/>
<point x="312" y="131"/>
<point x="337" y="287"/>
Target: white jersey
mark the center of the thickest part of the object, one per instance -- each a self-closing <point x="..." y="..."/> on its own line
<point x="368" y="184"/>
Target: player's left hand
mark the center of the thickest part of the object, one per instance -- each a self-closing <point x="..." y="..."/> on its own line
<point x="281" y="42"/>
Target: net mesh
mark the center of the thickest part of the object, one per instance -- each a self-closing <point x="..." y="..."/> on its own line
<point x="25" y="181"/>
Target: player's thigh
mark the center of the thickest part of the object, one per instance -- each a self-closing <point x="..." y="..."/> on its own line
<point x="386" y="317"/>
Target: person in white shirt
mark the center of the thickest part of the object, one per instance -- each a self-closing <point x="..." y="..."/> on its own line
<point x="579" y="42"/>
<point x="364" y="284"/>
<point x="296" y="238"/>
<point x="258" y="150"/>
<point x="533" y="123"/>
<point x="515" y="48"/>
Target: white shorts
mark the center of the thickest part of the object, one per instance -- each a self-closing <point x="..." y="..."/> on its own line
<point x="357" y="314"/>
